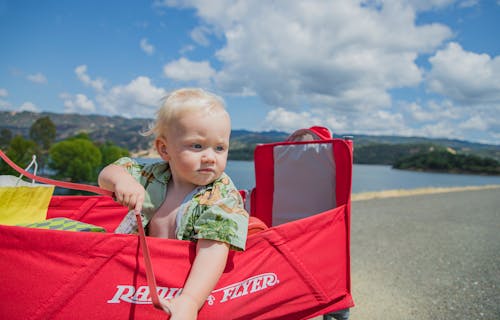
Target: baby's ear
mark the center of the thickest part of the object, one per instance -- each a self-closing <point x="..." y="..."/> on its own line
<point x="161" y="147"/>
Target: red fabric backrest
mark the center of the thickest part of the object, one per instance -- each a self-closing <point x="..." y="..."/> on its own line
<point x="262" y="195"/>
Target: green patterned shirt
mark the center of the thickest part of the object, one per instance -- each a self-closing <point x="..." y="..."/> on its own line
<point x="212" y="212"/>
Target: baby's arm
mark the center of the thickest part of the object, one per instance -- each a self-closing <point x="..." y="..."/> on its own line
<point x="210" y="261"/>
<point x="128" y="191"/>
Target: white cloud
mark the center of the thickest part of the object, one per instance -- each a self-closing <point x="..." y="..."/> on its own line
<point x="439" y="130"/>
<point x="446" y="119"/>
<point x="432" y="111"/>
<point x="37" y="78"/>
<point x="466" y="77"/>
<point x="336" y="63"/>
<point x="436" y="119"/>
<point x="336" y="58"/>
<point x="418" y="113"/>
<point x="284" y="120"/>
<point x="81" y="73"/>
<point x="186" y="49"/>
<point x="288" y="120"/>
<point x="138" y="99"/>
<point x="380" y="122"/>
<point x="468" y="3"/>
<point x="479" y="121"/>
<point x="187" y="70"/>
<point x="293" y="53"/>
<point x="474" y="123"/>
<point x="4" y="104"/>
<point x="423" y="5"/>
<point x="78" y="103"/>
<point x="28" y="106"/>
<point x="332" y="63"/>
<point x="146" y="46"/>
<point x="200" y="35"/>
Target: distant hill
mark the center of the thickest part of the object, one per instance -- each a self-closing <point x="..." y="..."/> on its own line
<point x="125" y="133"/>
<point x="460" y="146"/>
<point x="439" y="159"/>
<point x="122" y="131"/>
<point x="389" y="149"/>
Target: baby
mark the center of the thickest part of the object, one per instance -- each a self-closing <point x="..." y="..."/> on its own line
<point x="186" y="196"/>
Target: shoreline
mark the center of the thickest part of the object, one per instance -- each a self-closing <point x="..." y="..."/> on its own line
<point x="395" y="193"/>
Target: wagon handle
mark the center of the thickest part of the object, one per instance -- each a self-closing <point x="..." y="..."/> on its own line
<point x="150" y="276"/>
<point x="62" y="184"/>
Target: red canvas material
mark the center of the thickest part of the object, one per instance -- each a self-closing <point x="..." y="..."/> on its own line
<point x="285" y="273"/>
<point x="97" y="210"/>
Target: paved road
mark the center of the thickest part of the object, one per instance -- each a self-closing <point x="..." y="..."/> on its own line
<point x="427" y="257"/>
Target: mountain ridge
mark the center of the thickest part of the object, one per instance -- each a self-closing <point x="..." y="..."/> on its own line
<point x="125" y="132"/>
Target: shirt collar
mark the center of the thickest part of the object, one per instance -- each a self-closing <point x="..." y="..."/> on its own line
<point x="161" y="172"/>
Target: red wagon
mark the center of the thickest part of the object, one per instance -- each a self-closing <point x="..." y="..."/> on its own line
<point x="297" y="268"/>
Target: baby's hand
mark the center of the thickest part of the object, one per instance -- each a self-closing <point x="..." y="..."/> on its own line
<point x="130" y="193"/>
<point x="182" y="307"/>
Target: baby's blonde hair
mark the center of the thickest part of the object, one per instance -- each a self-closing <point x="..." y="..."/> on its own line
<point x="179" y="101"/>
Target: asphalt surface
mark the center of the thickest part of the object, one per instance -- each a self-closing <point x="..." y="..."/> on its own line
<point x="433" y="256"/>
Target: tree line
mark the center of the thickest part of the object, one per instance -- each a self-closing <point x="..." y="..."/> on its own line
<point x="442" y="160"/>
<point x="79" y="158"/>
<point x="75" y="159"/>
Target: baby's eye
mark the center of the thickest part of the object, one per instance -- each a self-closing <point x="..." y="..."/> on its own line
<point x="220" y="148"/>
<point x="196" y="146"/>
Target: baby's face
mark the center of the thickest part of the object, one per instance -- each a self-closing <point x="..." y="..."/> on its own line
<point x="197" y="146"/>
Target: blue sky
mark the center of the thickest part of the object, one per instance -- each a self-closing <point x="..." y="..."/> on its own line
<point x="414" y="68"/>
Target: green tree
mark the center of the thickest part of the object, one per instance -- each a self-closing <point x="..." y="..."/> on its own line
<point x="81" y="135"/>
<point x="5" y="137"/>
<point x="43" y="132"/>
<point x="111" y="152"/>
<point x="443" y="160"/>
<point x="76" y="159"/>
<point x="21" y="152"/>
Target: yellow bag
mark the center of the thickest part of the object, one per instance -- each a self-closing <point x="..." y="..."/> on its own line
<point x="23" y="202"/>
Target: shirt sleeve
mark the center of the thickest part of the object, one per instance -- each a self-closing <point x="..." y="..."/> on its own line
<point x="223" y="218"/>
<point x="132" y="166"/>
<point x="129" y="223"/>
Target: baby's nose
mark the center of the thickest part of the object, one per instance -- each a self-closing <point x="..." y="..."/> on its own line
<point x="208" y="157"/>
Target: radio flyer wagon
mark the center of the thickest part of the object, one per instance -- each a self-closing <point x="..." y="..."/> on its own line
<point x="296" y="268"/>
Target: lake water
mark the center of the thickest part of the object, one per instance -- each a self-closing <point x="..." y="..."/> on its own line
<point x="375" y="178"/>
<point x="368" y="178"/>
